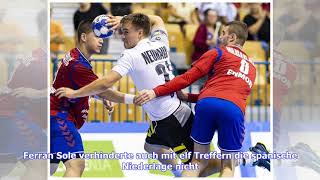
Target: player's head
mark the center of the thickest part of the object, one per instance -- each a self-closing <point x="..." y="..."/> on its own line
<point x="234" y="33"/>
<point x="134" y="27"/>
<point x="210" y="16"/>
<point x="87" y="38"/>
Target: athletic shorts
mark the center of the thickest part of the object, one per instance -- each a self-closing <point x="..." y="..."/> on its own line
<point x="64" y="138"/>
<point x="173" y="131"/>
<point x="214" y="114"/>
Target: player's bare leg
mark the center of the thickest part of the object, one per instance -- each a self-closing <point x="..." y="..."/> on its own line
<point x="202" y="163"/>
<point x="227" y="166"/>
<point x="74" y="167"/>
<point x="163" y="150"/>
<point x="214" y="166"/>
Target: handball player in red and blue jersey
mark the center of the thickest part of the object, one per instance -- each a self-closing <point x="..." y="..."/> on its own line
<point x="68" y="115"/>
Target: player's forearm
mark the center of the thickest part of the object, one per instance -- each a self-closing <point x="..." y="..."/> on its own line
<point x="113" y="95"/>
<point x="96" y="87"/>
<point x="179" y="82"/>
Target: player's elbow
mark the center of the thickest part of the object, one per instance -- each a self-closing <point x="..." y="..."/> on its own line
<point x="156" y="20"/>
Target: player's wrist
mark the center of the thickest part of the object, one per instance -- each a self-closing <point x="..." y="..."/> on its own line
<point x="155" y="92"/>
<point x="75" y="94"/>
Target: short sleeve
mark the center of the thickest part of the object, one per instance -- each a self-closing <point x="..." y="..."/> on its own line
<point x="124" y="64"/>
<point x="160" y="34"/>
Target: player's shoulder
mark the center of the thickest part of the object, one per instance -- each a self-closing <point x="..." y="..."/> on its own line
<point x="71" y="56"/>
<point x="217" y="51"/>
<point x="127" y="53"/>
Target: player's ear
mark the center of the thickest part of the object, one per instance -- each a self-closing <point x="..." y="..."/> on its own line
<point x="233" y="38"/>
<point x="83" y="37"/>
<point x="140" y="33"/>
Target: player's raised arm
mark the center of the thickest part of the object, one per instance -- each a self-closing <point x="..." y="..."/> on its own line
<point x="156" y="21"/>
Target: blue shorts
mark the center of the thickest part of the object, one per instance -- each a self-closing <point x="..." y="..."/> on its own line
<point x="214" y="114"/>
<point x="64" y="138"/>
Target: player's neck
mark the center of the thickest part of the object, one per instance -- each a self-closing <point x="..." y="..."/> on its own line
<point x="84" y="51"/>
<point x="235" y="45"/>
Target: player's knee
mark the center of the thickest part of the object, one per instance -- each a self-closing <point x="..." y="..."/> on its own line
<point x="76" y="165"/>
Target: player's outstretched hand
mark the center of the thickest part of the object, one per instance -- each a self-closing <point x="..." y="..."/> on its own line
<point x="108" y="105"/>
<point x="144" y="96"/>
<point x="65" y="92"/>
<point x="114" y="21"/>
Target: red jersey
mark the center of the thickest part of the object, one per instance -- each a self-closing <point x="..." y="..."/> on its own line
<point x="230" y="76"/>
<point x="30" y="73"/>
<point x="284" y="74"/>
<point x="75" y="72"/>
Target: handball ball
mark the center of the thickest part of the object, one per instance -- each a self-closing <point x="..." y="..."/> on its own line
<point x="101" y="28"/>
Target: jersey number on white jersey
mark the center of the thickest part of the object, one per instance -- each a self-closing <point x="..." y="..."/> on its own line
<point x="161" y="69"/>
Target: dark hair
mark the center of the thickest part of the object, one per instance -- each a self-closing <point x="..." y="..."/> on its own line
<point x="240" y="29"/>
<point x="138" y="20"/>
<point x="85" y="26"/>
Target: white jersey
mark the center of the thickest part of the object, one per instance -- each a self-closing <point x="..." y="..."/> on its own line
<point x="148" y="64"/>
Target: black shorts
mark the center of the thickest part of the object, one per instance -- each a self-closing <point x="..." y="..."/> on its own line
<point x="169" y="132"/>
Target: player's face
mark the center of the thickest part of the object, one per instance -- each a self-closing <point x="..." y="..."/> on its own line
<point x="130" y="35"/>
<point x="225" y="36"/>
<point x="93" y="43"/>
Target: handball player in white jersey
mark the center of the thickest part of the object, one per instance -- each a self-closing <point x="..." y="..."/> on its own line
<point x="146" y="60"/>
